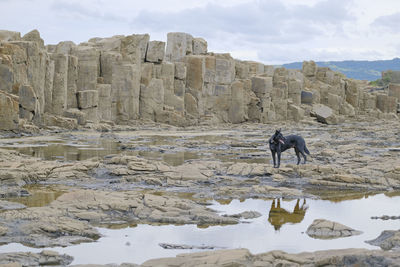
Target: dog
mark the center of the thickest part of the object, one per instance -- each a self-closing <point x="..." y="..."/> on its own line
<point x="278" y="143"/>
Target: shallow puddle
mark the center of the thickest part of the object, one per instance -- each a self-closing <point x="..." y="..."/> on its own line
<point x="39" y="196"/>
<point x="279" y="228"/>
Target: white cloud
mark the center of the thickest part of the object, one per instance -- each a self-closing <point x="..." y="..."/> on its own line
<point x="273" y="31"/>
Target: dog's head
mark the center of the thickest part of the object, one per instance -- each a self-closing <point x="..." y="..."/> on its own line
<point x="278" y="137"/>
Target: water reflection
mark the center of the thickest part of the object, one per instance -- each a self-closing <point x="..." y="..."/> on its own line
<point x="39" y="196"/>
<point x="279" y="216"/>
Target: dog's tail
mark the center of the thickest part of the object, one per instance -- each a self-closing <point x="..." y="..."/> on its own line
<point x="306" y="150"/>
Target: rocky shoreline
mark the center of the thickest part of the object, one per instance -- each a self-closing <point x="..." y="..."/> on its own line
<point x="125" y="189"/>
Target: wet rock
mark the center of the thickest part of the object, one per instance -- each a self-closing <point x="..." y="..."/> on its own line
<point x="46" y="257"/>
<point x="387" y="240"/>
<point x="324" y="229"/>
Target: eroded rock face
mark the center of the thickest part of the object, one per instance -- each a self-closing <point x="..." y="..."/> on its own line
<point x="324" y="229"/>
<point x="194" y="86"/>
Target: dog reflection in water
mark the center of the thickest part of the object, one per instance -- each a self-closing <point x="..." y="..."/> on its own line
<point x="279" y="216"/>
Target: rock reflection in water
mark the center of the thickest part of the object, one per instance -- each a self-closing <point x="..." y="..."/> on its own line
<point x="279" y="216"/>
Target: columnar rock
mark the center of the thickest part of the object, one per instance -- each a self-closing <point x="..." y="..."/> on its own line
<point x="262" y="87"/>
<point x="104" y="105"/>
<point x="280" y="83"/>
<point x="369" y="101"/>
<point x="294" y="112"/>
<point x="237" y="107"/>
<point x="64" y="47"/>
<point x="155" y="51"/>
<point x="224" y="69"/>
<point x="179" y="45"/>
<point x="180" y="79"/>
<point x="107" y="60"/>
<point x="386" y="104"/>
<point x="8" y="36"/>
<point x="48" y="85"/>
<point x="34" y="36"/>
<point x="88" y="67"/>
<point x="352" y="93"/>
<point x="88" y="103"/>
<point x="255" y="68"/>
<point x="151" y="99"/>
<point x="60" y="82"/>
<point x="6" y="73"/>
<point x="394" y="90"/>
<point x="242" y="70"/>
<point x="334" y="102"/>
<point x="72" y="82"/>
<point x="35" y="68"/>
<point x="134" y="48"/>
<point x="9" y="111"/>
<point x="295" y="87"/>
<point x="269" y="70"/>
<point x="29" y="103"/>
<point x="309" y="69"/>
<point x="125" y="90"/>
<point x="107" y="44"/>
<point x="199" y="46"/>
<point x="195" y="72"/>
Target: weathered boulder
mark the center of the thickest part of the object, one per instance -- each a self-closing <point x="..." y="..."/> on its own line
<point x="324" y="114"/>
<point x="9" y="111"/>
<point x="387" y="240"/>
<point x="155" y="51"/>
<point x="324" y="229"/>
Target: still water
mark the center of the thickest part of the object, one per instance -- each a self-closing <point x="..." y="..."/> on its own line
<point x="282" y="229"/>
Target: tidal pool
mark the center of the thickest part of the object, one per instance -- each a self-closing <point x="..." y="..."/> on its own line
<point x="279" y="228"/>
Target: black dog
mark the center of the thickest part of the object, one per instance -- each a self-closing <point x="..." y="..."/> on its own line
<point x="278" y="143"/>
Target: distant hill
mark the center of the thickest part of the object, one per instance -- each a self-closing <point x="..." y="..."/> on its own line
<point x="361" y="70"/>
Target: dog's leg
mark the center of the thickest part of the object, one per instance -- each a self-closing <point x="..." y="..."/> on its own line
<point x="273" y="157"/>
<point x="304" y="156"/>
<point x="298" y="155"/>
<point x="279" y="159"/>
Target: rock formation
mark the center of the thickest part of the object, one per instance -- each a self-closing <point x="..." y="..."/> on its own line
<point x="121" y="79"/>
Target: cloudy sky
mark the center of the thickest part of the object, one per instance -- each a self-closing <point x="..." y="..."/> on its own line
<point x="270" y="31"/>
